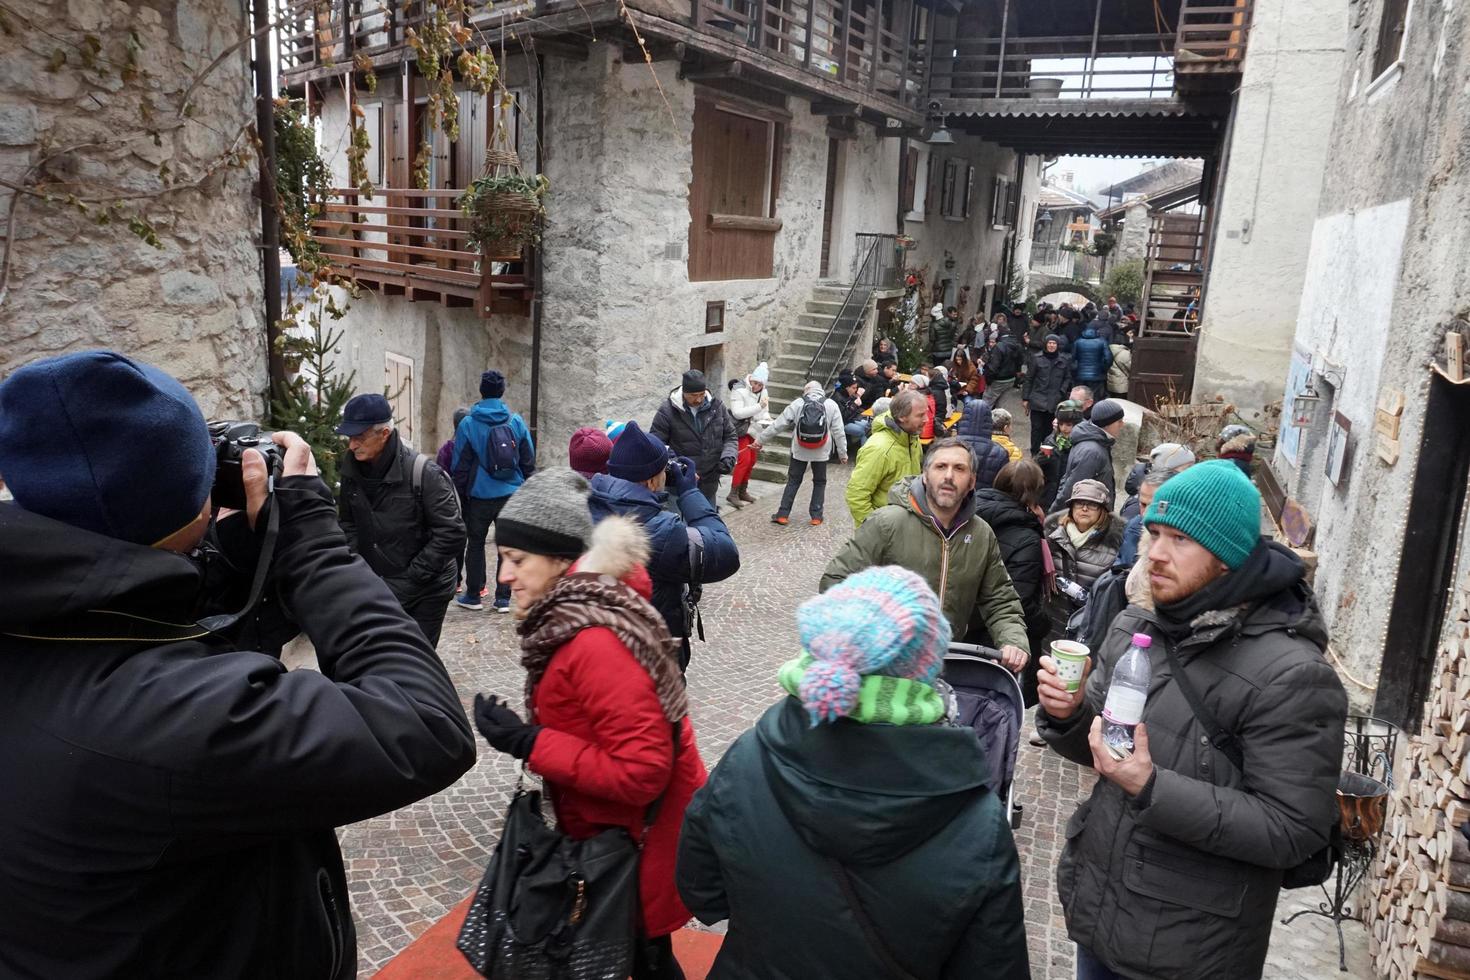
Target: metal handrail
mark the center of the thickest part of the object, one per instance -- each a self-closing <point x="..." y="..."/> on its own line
<point x="860" y="281"/>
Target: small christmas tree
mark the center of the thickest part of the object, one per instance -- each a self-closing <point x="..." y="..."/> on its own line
<point x="310" y="403"/>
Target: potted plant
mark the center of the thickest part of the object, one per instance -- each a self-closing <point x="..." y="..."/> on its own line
<point x="504" y="208"/>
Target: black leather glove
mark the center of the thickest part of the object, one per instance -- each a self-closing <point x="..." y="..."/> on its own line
<point x="727" y="465"/>
<point x="503" y="728"/>
<point x="684" y="475"/>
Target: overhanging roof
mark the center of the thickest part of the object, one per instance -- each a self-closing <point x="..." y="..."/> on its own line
<point x="1095" y="127"/>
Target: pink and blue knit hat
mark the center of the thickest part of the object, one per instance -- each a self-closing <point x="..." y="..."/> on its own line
<point x="884" y="621"/>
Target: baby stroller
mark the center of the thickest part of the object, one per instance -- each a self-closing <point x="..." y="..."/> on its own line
<point x="989" y="700"/>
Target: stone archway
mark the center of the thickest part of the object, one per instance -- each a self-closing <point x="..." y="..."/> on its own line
<point x="1045" y="286"/>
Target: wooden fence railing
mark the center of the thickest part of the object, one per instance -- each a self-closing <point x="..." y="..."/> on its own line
<point x="1212" y="35"/>
<point x="1131" y="66"/>
<point x="411" y="242"/>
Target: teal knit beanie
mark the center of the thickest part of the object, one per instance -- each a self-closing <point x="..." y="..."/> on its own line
<point x="1215" y="504"/>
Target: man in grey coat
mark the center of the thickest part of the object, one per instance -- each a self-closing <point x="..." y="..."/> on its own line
<point x="1172" y="868"/>
<point x="1091" y="457"/>
<point x="694" y="423"/>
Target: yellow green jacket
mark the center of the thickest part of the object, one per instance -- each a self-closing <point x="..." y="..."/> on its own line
<point x="1010" y="447"/>
<point x="889" y="455"/>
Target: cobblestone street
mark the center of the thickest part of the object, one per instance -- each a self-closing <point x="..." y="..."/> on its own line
<point x="407" y="869"/>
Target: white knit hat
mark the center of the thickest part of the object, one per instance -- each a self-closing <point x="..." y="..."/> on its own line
<point x="762" y="372"/>
<point x="919" y="381"/>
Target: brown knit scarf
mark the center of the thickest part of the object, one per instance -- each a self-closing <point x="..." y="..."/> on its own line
<point x="577" y="602"/>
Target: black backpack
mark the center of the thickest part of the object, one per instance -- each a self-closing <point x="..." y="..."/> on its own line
<point x="811" y="424"/>
<point x="502" y="450"/>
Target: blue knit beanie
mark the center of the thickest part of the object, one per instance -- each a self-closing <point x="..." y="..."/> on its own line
<point x="883" y="620"/>
<point x="101" y="442"/>
<point x="1215" y="504"/>
<point x="492" y="384"/>
<point x="637" y="455"/>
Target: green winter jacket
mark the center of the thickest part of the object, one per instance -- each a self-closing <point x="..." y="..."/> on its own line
<point x="889" y="455"/>
<point x="906" y="812"/>
<point x="963" y="567"/>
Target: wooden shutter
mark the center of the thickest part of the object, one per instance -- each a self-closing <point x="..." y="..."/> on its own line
<point x="969" y="191"/>
<point x="929" y="184"/>
<point x="1013" y="201"/>
<point x="910" y="180"/>
<point x="997" y="200"/>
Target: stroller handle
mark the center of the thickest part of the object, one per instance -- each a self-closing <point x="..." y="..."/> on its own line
<point x="975" y="650"/>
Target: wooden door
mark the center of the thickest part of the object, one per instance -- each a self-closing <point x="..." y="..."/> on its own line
<point x="1163" y="367"/>
<point x="833" y="147"/>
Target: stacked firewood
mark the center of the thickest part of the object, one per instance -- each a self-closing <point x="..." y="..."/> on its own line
<point x="1420" y="907"/>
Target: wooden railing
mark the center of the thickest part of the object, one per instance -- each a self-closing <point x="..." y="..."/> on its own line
<point x="318" y="33"/>
<point x="1212" y="35"/>
<point x="1130" y="66"/>
<point x="413" y="243"/>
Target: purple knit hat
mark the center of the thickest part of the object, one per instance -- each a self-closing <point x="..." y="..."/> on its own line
<point x="883" y="620"/>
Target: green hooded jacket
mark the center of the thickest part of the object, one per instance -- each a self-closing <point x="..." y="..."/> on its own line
<point x="904" y="809"/>
<point x="889" y="455"/>
<point x="964" y="567"/>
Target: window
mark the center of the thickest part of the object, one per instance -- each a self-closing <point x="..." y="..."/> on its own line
<point x="1003" y="202"/>
<point x="399" y="389"/>
<point x="910" y="179"/>
<point x="372" y="124"/>
<point x="920" y="178"/>
<point x="733" y="194"/>
<point x="1391" y="28"/>
<point x="969" y="190"/>
<point x="714" y="317"/>
<point x="952" y="190"/>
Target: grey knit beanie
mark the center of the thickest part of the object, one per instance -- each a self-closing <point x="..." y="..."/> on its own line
<point x="547" y="515"/>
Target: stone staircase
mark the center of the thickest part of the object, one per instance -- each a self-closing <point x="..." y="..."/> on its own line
<point x="789" y="369"/>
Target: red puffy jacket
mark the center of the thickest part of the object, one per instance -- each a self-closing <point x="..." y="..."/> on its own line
<point x="606" y="752"/>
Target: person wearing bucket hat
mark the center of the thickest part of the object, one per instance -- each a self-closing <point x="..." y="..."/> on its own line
<point x="1234" y="619"/>
<point x="750" y="407"/>
<point x="1085" y="537"/>
<point x="855" y="784"/>
<point x="609" y="729"/>
<point x="690" y="543"/>
<point x="164" y="777"/>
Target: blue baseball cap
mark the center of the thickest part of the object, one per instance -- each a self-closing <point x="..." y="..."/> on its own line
<point x="363" y="412"/>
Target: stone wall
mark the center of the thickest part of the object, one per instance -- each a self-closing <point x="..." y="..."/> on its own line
<point x="1278" y="148"/>
<point x="1385" y="278"/>
<point x="193" y="306"/>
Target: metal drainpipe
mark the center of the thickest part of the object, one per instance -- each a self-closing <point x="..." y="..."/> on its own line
<point x="537" y="277"/>
<point x="270" y="225"/>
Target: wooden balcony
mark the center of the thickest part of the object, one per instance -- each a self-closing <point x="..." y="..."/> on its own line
<point x="1211" y="41"/>
<point x="1081" y="66"/>
<point x="412" y="243"/>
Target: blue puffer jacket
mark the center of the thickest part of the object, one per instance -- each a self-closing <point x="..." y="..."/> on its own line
<point x="975" y="430"/>
<point x="670" y="562"/>
<point x="469" y="451"/>
<point x="1090" y="358"/>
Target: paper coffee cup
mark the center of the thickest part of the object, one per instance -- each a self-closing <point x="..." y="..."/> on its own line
<point x="1071" y="660"/>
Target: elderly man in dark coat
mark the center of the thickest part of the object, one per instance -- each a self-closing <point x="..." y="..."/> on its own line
<point x="694" y="423"/>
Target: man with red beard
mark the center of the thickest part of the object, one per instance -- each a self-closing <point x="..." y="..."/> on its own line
<point x="1173" y="866"/>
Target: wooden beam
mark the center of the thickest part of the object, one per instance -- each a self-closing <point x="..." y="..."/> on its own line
<point x="568" y="49"/>
<point x="658" y="50"/>
<point x="714" y="70"/>
<point x="742" y="222"/>
<point x="822" y="107"/>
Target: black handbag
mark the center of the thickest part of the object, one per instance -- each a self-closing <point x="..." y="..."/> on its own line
<point x="551" y="908"/>
<point x="1317" y="867"/>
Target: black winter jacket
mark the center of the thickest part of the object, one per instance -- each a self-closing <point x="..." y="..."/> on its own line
<point x="1091" y="458"/>
<point x="714" y="440"/>
<point x="1004" y="360"/>
<point x="1019" y="534"/>
<point x="168" y="804"/>
<point x="904" y="808"/>
<point x="1049" y="380"/>
<point x="414" y="541"/>
<point x="975" y="429"/>
<point x="1181" y="881"/>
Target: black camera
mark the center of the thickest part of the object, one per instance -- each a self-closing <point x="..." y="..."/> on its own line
<point x="231" y="439"/>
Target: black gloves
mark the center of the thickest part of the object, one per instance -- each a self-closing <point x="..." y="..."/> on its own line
<point x="684" y="476"/>
<point x="727" y="465"/>
<point x="503" y="728"/>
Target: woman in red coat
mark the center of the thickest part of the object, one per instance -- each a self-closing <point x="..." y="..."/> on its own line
<point x="609" y="730"/>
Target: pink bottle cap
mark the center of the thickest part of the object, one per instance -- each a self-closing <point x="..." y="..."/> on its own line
<point x="1142" y="640"/>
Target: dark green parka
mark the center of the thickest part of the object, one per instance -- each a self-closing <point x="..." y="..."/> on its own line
<point x="904" y="809"/>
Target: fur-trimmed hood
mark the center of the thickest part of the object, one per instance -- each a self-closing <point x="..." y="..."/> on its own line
<point x="619" y="549"/>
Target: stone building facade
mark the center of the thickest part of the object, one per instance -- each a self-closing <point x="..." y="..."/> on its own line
<point x="193" y="304"/>
<point x="624" y="313"/>
<point x="1279" y="145"/>
<point x="1385" y="280"/>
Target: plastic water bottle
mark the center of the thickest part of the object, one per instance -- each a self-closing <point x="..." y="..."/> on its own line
<point x="1127" y="694"/>
<point x="1072" y="590"/>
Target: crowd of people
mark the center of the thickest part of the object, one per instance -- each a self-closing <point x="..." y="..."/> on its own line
<point x="182" y="786"/>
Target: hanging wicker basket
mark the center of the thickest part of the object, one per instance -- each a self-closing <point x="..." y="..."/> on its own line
<point x="511" y="214"/>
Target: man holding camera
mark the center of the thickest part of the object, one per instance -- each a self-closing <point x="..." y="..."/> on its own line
<point x="688" y="546"/>
<point x="400" y="512"/>
<point x="169" y="799"/>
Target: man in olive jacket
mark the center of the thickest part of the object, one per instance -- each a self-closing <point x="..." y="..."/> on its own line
<point x="1173" y="866"/>
<point x="891" y="453"/>
<point x="929" y="526"/>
